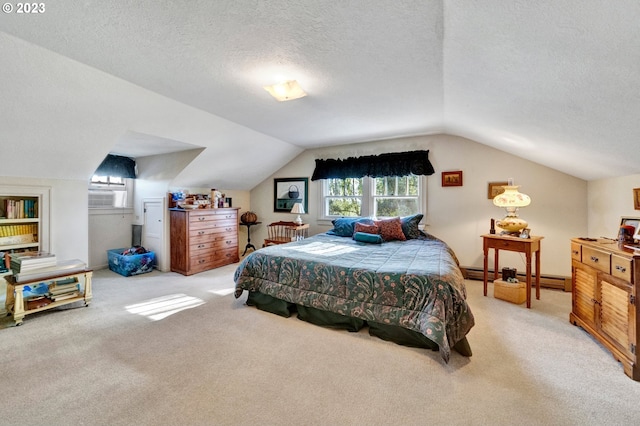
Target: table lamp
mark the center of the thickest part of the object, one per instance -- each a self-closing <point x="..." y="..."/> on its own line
<point x="511" y="200"/>
<point x="298" y="209"/>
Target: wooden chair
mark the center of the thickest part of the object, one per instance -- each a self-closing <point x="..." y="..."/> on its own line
<point x="278" y="233"/>
<point x="284" y="232"/>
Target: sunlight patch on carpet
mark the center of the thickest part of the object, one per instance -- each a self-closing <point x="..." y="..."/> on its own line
<point x="162" y="307"/>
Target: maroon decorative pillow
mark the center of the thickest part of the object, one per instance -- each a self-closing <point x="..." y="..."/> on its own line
<point x="391" y="229"/>
<point x="368" y="229"/>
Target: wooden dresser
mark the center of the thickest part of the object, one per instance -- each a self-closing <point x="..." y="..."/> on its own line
<point x="203" y="239"/>
<point x="604" y="279"/>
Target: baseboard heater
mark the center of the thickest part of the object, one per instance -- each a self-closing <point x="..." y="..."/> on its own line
<point x="547" y="281"/>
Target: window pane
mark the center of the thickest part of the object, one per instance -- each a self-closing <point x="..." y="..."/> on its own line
<point x="344" y="187"/>
<point x="347" y="206"/>
<point x="390" y="207"/>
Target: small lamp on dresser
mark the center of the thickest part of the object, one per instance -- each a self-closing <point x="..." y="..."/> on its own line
<point x="298" y="209"/>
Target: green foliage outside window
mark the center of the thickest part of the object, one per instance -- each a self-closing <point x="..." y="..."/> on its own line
<point x="392" y="196"/>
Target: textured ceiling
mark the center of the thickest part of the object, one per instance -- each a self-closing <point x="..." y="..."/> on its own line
<point x="555" y="81"/>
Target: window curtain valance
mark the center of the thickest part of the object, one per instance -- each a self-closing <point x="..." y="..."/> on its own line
<point x="392" y="164"/>
<point x="118" y="166"/>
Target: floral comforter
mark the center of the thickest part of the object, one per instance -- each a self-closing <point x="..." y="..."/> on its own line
<point x="415" y="284"/>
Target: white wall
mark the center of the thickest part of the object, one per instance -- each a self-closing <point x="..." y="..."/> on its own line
<point x="459" y="215"/>
<point x="609" y="200"/>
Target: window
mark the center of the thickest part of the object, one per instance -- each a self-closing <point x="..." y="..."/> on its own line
<point x="343" y="197"/>
<point x="107" y="181"/>
<point x="108" y="192"/>
<point x="396" y="196"/>
<point x="379" y="197"/>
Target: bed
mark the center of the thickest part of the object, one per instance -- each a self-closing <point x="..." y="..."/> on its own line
<point x="411" y="292"/>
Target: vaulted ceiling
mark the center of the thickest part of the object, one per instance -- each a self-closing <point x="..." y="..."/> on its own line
<point x="554" y="81"/>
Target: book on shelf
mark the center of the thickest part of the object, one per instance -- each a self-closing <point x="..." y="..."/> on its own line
<point x="60" y="267"/>
<point x="56" y="289"/>
<point x="64" y="296"/>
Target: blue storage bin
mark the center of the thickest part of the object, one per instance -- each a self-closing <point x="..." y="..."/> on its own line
<point x="130" y="264"/>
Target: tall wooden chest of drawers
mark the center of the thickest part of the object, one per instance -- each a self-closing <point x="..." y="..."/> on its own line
<point x="604" y="282"/>
<point x="203" y="239"/>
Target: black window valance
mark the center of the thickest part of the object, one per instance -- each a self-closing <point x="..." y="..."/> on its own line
<point x="118" y="166"/>
<point x="392" y="164"/>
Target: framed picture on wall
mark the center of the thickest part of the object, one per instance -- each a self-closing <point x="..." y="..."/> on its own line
<point x="288" y="191"/>
<point x="452" y="178"/>
<point x="495" y="188"/>
<point x="636" y="198"/>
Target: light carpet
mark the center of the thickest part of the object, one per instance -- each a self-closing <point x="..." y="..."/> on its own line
<point x="164" y="349"/>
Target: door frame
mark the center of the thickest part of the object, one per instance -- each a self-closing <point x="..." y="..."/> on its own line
<point x="162" y="261"/>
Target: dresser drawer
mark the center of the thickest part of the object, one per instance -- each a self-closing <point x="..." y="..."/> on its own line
<point x="213" y="259"/>
<point x="212" y="215"/>
<point x="512" y="245"/>
<point x="209" y="234"/>
<point x="597" y="259"/>
<point x="206" y="224"/>
<point x="621" y="267"/>
<point x="576" y="252"/>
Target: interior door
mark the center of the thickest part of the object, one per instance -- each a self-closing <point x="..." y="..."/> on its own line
<point x="153" y="228"/>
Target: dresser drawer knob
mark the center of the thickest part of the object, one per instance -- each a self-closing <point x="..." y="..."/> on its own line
<point x="201" y="218"/>
<point x="201" y="261"/>
<point x="621" y="268"/>
<point x="594" y="259"/>
<point x="201" y="246"/>
<point x="576" y="252"/>
<point x="200" y="232"/>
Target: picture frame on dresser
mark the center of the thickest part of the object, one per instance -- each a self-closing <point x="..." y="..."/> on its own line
<point x="632" y="221"/>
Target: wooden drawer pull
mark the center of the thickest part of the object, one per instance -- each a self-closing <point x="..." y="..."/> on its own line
<point x="594" y="259"/>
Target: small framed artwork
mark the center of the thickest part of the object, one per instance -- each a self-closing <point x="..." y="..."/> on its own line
<point x="495" y="188"/>
<point x="288" y="191"/>
<point x="636" y="198"/>
<point x="452" y="178"/>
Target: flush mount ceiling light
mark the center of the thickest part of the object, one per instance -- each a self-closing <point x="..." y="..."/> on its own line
<point x="286" y="91"/>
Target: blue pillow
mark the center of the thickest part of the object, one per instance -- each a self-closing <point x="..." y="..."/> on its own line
<point x="363" y="237"/>
<point x="343" y="226"/>
<point x="410" y="226"/>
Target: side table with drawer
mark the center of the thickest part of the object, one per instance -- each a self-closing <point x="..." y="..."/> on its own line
<point x="529" y="246"/>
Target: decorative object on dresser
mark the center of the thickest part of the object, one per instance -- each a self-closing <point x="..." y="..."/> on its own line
<point x="511" y="200"/>
<point x="203" y="239"/>
<point x="604" y="279"/>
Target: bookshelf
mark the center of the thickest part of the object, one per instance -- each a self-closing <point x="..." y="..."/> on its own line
<point x="24" y="219"/>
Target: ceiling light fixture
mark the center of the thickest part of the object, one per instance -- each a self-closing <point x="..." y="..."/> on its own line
<point x="286" y="91"/>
